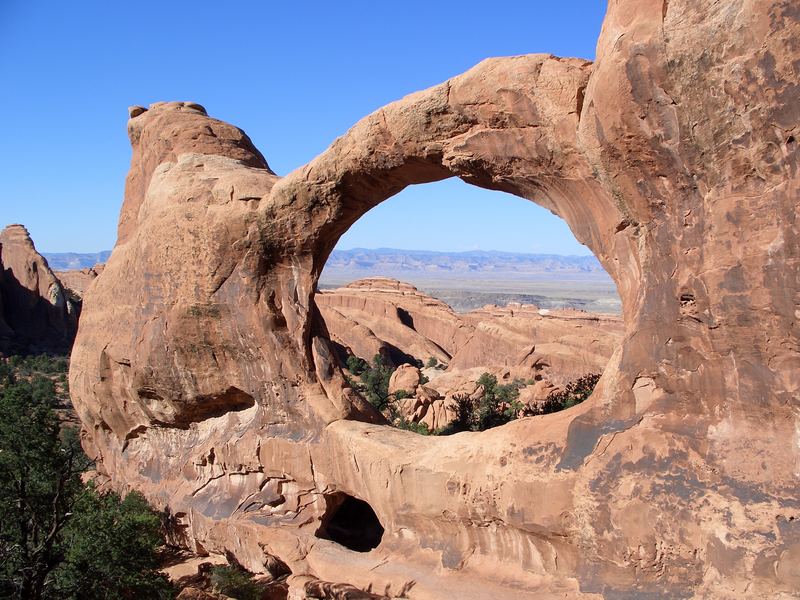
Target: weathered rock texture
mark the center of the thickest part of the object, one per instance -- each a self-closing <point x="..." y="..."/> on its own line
<point x="203" y="375"/>
<point x="36" y="314"/>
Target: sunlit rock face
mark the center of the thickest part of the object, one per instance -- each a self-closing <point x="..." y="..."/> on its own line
<point x="203" y="376"/>
<point x="36" y="313"/>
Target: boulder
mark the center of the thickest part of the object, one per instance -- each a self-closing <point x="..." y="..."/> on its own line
<point x="405" y="377"/>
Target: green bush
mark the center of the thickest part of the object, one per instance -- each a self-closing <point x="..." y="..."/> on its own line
<point x="58" y="537"/>
<point x="574" y="393"/>
<point x="110" y="550"/>
<point x="374" y="380"/>
<point x="235" y="582"/>
<point x="356" y="365"/>
<point x="419" y="428"/>
<point x="432" y="362"/>
<point x="497" y="405"/>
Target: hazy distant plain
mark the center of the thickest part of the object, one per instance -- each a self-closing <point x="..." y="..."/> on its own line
<point x="470" y="280"/>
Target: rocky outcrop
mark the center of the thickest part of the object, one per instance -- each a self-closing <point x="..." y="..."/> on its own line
<point x="560" y="345"/>
<point x="204" y="377"/>
<point x="394" y="319"/>
<point x="406" y="378"/>
<point x="36" y="314"/>
<point x="77" y="281"/>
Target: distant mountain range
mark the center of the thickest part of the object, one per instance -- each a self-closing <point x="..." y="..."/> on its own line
<point x="418" y="264"/>
<point x="64" y="261"/>
<point x="476" y="264"/>
<point x="464" y="280"/>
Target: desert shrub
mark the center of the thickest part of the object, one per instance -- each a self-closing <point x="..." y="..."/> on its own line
<point x="356" y="365"/>
<point x="39" y="479"/>
<point x="64" y="540"/>
<point x="402" y="395"/>
<point x="497" y="405"/>
<point x="44" y="364"/>
<point x="110" y="550"/>
<point x="235" y="582"/>
<point x="376" y="382"/>
<point x="465" y="409"/>
<point x="373" y="381"/>
<point x="432" y="362"/>
<point x="574" y="393"/>
<point x="419" y="428"/>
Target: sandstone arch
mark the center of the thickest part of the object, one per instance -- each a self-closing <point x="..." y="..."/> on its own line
<point x="673" y="157"/>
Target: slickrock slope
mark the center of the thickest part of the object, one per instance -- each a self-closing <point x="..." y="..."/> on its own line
<point x="388" y="316"/>
<point x="36" y="315"/>
<point x="561" y="343"/>
<point x="203" y="376"/>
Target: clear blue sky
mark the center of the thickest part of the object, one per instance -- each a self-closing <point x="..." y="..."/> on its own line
<point x="293" y="75"/>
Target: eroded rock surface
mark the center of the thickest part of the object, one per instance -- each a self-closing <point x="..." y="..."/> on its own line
<point x="203" y="375"/>
<point x="36" y="313"/>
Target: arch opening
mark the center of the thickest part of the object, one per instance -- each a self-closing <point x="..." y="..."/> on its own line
<point x="350" y="522"/>
<point x="472" y="337"/>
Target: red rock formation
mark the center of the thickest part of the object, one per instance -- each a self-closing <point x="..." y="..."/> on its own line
<point x="203" y="377"/>
<point x="395" y="319"/>
<point x="391" y="317"/>
<point x="77" y="281"/>
<point x="36" y="315"/>
<point x="406" y="378"/>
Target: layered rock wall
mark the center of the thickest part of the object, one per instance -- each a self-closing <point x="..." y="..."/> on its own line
<point x="203" y="375"/>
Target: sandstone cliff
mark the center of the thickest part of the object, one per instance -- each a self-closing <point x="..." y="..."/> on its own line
<point x="36" y="314"/>
<point x="204" y="377"/>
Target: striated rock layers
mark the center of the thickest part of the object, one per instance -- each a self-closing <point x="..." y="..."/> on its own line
<point x="36" y="314"/>
<point x="203" y="375"/>
<point x="394" y="319"/>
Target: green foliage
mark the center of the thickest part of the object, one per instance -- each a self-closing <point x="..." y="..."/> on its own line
<point x="402" y="394"/>
<point x="39" y="477"/>
<point x="432" y="362"/>
<point x="50" y="519"/>
<point x="236" y="583"/>
<point x="356" y="365"/>
<point x="43" y="364"/>
<point x="465" y="410"/>
<point x="497" y="405"/>
<point x="573" y="394"/>
<point x="418" y="428"/>
<point x="110" y="550"/>
<point x="374" y="378"/>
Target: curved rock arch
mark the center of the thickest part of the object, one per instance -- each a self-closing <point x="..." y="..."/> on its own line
<point x="678" y="477"/>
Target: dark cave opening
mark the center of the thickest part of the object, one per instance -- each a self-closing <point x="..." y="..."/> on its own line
<point x="350" y="522"/>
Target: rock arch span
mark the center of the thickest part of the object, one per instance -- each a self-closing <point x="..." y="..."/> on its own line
<point x="672" y="157"/>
